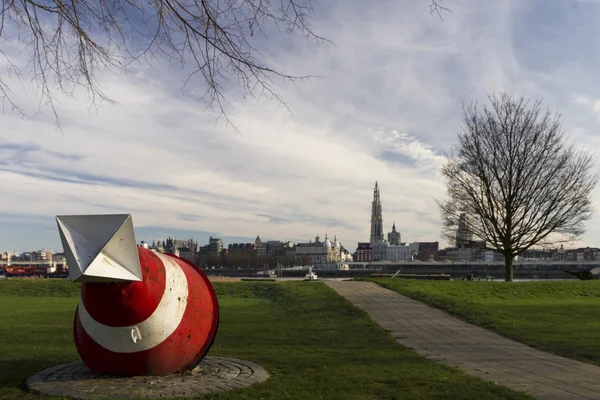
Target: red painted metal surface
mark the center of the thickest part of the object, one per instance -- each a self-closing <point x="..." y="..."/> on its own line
<point x="119" y="308"/>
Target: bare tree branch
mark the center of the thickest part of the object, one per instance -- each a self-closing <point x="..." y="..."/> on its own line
<point x="69" y="41"/>
<point x="436" y="7"/>
<point x="512" y="173"/>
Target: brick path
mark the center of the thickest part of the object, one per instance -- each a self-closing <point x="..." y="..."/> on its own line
<point x="446" y="339"/>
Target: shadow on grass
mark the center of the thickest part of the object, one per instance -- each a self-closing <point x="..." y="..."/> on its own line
<point x="16" y="371"/>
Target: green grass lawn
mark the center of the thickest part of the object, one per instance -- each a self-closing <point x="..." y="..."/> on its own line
<point x="314" y="344"/>
<point x="560" y="317"/>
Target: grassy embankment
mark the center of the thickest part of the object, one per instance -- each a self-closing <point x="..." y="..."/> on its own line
<point x="314" y="344"/>
<point x="560" y="317"/>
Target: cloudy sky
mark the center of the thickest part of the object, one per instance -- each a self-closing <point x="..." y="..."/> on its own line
<point x="386" y="108"/>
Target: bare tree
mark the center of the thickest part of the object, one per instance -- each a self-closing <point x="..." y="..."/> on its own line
<point x="515" y="177"/>
<point x="67" y="42"/>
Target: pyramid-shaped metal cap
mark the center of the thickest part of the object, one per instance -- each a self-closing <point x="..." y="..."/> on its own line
<point x="100" y="248"/>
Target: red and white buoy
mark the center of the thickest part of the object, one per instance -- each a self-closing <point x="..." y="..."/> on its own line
<point x="140" y="312"/>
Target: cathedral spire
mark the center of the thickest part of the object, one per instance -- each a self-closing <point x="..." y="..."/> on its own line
<point x="376" y="218"/>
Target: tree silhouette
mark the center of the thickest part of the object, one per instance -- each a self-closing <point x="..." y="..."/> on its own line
<point x="515" y="177"/>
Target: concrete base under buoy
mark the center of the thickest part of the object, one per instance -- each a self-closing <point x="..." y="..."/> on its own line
<point x="213" y="374"/>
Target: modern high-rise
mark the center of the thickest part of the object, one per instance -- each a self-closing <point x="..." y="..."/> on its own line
<point x="376" y="218"/>
<point x="464" y="235"/>
<point x="215" y="245"/>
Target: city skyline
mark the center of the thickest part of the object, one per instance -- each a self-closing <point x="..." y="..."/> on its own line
<point x="150" y="234"/>
<point x="387" y="108"/>
<point x="143" y="233"/>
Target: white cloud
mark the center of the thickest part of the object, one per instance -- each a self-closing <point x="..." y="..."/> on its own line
<point x="389" y="106"/>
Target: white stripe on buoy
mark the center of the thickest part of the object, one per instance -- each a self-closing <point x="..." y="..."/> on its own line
<point x="156" y="328"/>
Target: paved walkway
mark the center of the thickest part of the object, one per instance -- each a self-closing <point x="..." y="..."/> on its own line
<point x="446" y="339"/>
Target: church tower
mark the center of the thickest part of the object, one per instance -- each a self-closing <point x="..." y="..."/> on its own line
<point x="394" y="236"/>
<point x="376" y="219"/>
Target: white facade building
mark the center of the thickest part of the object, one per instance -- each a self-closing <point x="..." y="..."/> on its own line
<point x="398" y="252"/>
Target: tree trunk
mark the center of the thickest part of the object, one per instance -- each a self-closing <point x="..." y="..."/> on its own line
<point x="508" y="268"/>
